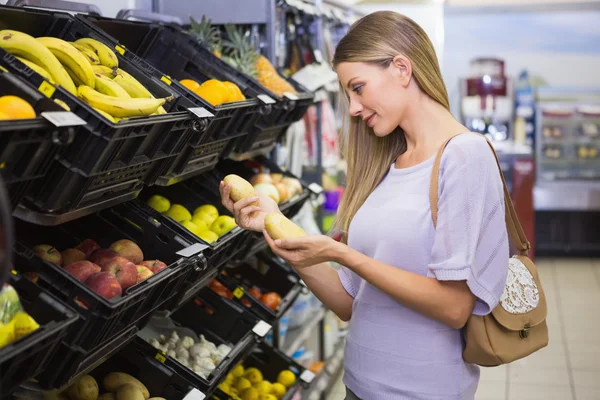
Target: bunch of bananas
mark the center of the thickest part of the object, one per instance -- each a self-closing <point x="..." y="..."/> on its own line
<point x="88" y="69"/>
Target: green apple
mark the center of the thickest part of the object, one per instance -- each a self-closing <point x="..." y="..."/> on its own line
<point x="200" y="223"/>
<point x="179" y="213"/>
<point x="208" y="236"/>
<point x="203" y="216"/>
<point x="209" y="209"/>
<point x="159" y="203"/>
<point x="192" y="227"/>
<point x="223" y="224"/>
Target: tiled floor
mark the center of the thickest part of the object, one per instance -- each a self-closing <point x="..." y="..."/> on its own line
<point x="569" y="368"/>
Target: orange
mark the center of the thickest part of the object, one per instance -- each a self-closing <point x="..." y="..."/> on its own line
<point x="14" y="107"/>
<point x="235" y="94"/>
<point x="213" y="91"/>
<point x="190" y="84"/>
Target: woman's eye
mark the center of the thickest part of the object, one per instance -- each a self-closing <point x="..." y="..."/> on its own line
<point x="358" y="89"/>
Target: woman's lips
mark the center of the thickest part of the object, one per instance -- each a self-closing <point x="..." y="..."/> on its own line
<point x="369" y="120"/>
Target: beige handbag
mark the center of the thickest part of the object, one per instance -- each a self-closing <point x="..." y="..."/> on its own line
<point x="517" y="326"/>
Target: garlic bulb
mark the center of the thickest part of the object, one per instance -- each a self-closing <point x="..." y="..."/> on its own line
<point x="187" y="342"/>
<point x="182" y="353"/>
<point x="199" y="350"/>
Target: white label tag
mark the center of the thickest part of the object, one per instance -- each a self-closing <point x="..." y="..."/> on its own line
<point x="266" y="99"/>
<point x="63" y="118"/>
<point x="194" y="394"/>
<point x="315" y="188"/>
<point x="261" y="328"/>
<point x="318" y="56"/>
<point x="193" y="249"/>
<point x="307" y="376"/>
<point x="201" y="112"/>
<point x="290" y="96"/>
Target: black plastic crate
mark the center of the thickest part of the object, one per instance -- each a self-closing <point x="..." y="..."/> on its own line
<point x="24" y="358"/>
<point x="268" y="274"/>
<point x="220" y="321"/>
<point x="271" y="362"/>
<point x="102" y="319"/>
<point x="28" y="146"/>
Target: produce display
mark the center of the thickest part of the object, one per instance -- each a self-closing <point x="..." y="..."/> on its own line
<point x="117" y="386"/>
<point x="200" y="355"/>
<point x="270" y="299"/>
<point x="205" y="222"/>
<point x="14" y="321"/>
<point x="14" y="107"/>
<point x="214" y="91"/>
<point x="106" y="271"/>
<point x="87" y="69"/>
<point x="278" y="187"/>
<point x="249" y="384"/>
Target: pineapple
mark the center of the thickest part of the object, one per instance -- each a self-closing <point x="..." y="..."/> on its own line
<point x="206" y="35"/>
<point x="245" y="59"/>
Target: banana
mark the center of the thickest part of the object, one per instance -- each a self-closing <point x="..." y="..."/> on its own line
<point x="71" y="58"/>
<point x="118" y="107"/>
<point x="107" y="57"/>
<point x="25" y="46"/>
<point x="106" y="86"/>
<point x="106" y="115"/>
<point x="74" y="76"/>
<point x="89" y="54"/>
<point x="104" y="71"/>
<point x="62" y="104"/>
<point x="37" y="69"/>
<point x="133" y="87"/>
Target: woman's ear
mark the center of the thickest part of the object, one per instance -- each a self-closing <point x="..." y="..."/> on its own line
<point x="402" y="68"/>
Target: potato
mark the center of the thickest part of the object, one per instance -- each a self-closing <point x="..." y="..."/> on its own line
<point x="129" y="391"/>
<point x="107" y="396"/>
<point x="113" y="381"/>
<point x="279" y="227"/>
<point x="240" y="188"/>
<point x="85" y="388"/>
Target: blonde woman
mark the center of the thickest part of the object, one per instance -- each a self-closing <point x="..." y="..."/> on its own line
<point x="406" y="287"/>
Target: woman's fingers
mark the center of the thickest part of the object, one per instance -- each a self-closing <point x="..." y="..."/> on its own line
<point x="246" y="211"/>
<point x="225" y="198"/>
<point x="240" y="205"/>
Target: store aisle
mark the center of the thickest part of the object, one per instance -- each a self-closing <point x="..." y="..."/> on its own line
<point x="569" y="368"/>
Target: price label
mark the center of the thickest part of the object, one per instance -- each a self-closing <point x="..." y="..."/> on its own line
<point x="315" y="188"/>
<point x="120" y="49"/>
<point x="290" y="96"/>
<point x="318" y="56"/>
<point x="63" y="118"/>
<point x="307" y="376"/>
<point x="46" y="89"/>
<point x="266" y="99"/>
<point x="194" y="394"/>
<point x="238" y="292"/>
<point x="166" y="79"/>
<point x="201" y="112"/>
<point x="193" y="249"/>
<point x="160" y="357"/>
<point x="261" y="328"/>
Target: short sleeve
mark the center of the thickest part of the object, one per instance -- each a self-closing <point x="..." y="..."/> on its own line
<point x="347" y="279"/>
<point x="471" y="240"/>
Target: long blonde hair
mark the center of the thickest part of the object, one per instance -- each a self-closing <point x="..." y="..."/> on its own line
<point x="376" y="39"/>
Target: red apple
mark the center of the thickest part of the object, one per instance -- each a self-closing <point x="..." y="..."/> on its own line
<point x="143" y="273"/>
<point x="129" y="250"/>
<point x="154" y="265"/>
<point x="48" y="253"/>
<point x="124" y="270"/>
<point x="69" y="256"/>
<point x="103" y="256"/>
<point x="82" y="269"/>
<point x="105" y="284"/>
<point x="88" y="246"/>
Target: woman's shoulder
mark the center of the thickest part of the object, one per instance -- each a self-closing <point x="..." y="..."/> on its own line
<point x="468" y="150"/>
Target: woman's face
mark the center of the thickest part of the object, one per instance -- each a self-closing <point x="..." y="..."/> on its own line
<point x="377" y="95"/>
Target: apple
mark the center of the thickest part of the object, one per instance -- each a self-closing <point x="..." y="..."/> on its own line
<point x="88" y="246"/>
<point x="208" y="236"/>
<point x="284" y="193"/>
<point x="261" y="178"/>
<point x="223" y="224"/>
<point x="154" y="265"/>
<point x="268" y="189"/>
<point x="208" y="209"/>
<point x="105" y="284"/>
<point x="143" y="273"/>
<point x="48" y="253"/>
<point x="159" y="203"/>
<point x="69" y="256"/>
<point x="124" y="270"/>
<point x="129" y="250"/>
<point x="82" y="270"/>
<point x="202" y="218"/>
<point x="192" y="227"/>
<point x="178" y="212"/>
<point x="103" y="256"/>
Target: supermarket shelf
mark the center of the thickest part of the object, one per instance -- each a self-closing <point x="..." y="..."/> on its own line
<point x="323" y="383"/>
<point x="295" y="337"/>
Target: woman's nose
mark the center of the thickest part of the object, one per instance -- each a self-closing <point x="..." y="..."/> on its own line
<point x="355" y="108"/>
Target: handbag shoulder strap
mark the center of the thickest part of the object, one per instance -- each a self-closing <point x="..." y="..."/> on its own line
<point x="515" y="230"/>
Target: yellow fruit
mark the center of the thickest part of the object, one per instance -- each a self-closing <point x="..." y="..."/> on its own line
<point x="71" y="59"/>
<point x="24" y="324"/>
<point x="238" y="371"/>
<point x="213" y="91"/>
<point x="179" y="213"/>
<point x="278" y="390"/>
<point x="235" y="94"/>
<point x="223" y="224"/>
<point x="241" y="384"/>
<point x="204" y="217"/>
<point x="14" y="107"/>
<point x="250" y="394"/>
<point x="7" y="333"/>
<point x="287" y="378"/>
<point x="208" y="209"/>
<point x="159" y="203"/>
<point x="62" y="104"/>
<point x="37" y="69"/>
<point x="192" y="227"/>
<point x="190" y="84"/>
<point x="264" y="387"/>
<point x="208" y="236"/>
<point x="267" y="396"/>
<point x="199" y="222"/>
<point x="254" y="375"/>
<point x="225" y="387"/>
<point x="279" y="227"/>
<point x="116" y="106"/>
<point x="107" y="57"/>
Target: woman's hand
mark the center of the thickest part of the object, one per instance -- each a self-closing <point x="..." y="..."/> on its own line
<point x="306" y="251"/>
<point x="247" y="216"/>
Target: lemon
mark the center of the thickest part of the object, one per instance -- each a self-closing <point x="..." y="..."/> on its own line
<point x="278" y="390"/>
<point x="250" y="394"/>
<point x="241" y="384"/>
<point x="225" y="387"/>
<point x="263" y="387"/>
<point x="229" y="378"/>
<point x="159" y="203"/>
<point x="24" y="324"/>
<point x="267" y="397"/>
<point x="238" y="371"/>
<point x="287" y="378"/>
<point x="179" y="213"/>
<point x="254" y="375"/>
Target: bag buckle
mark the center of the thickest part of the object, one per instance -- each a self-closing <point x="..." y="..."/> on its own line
<point x="524" y="333"/>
